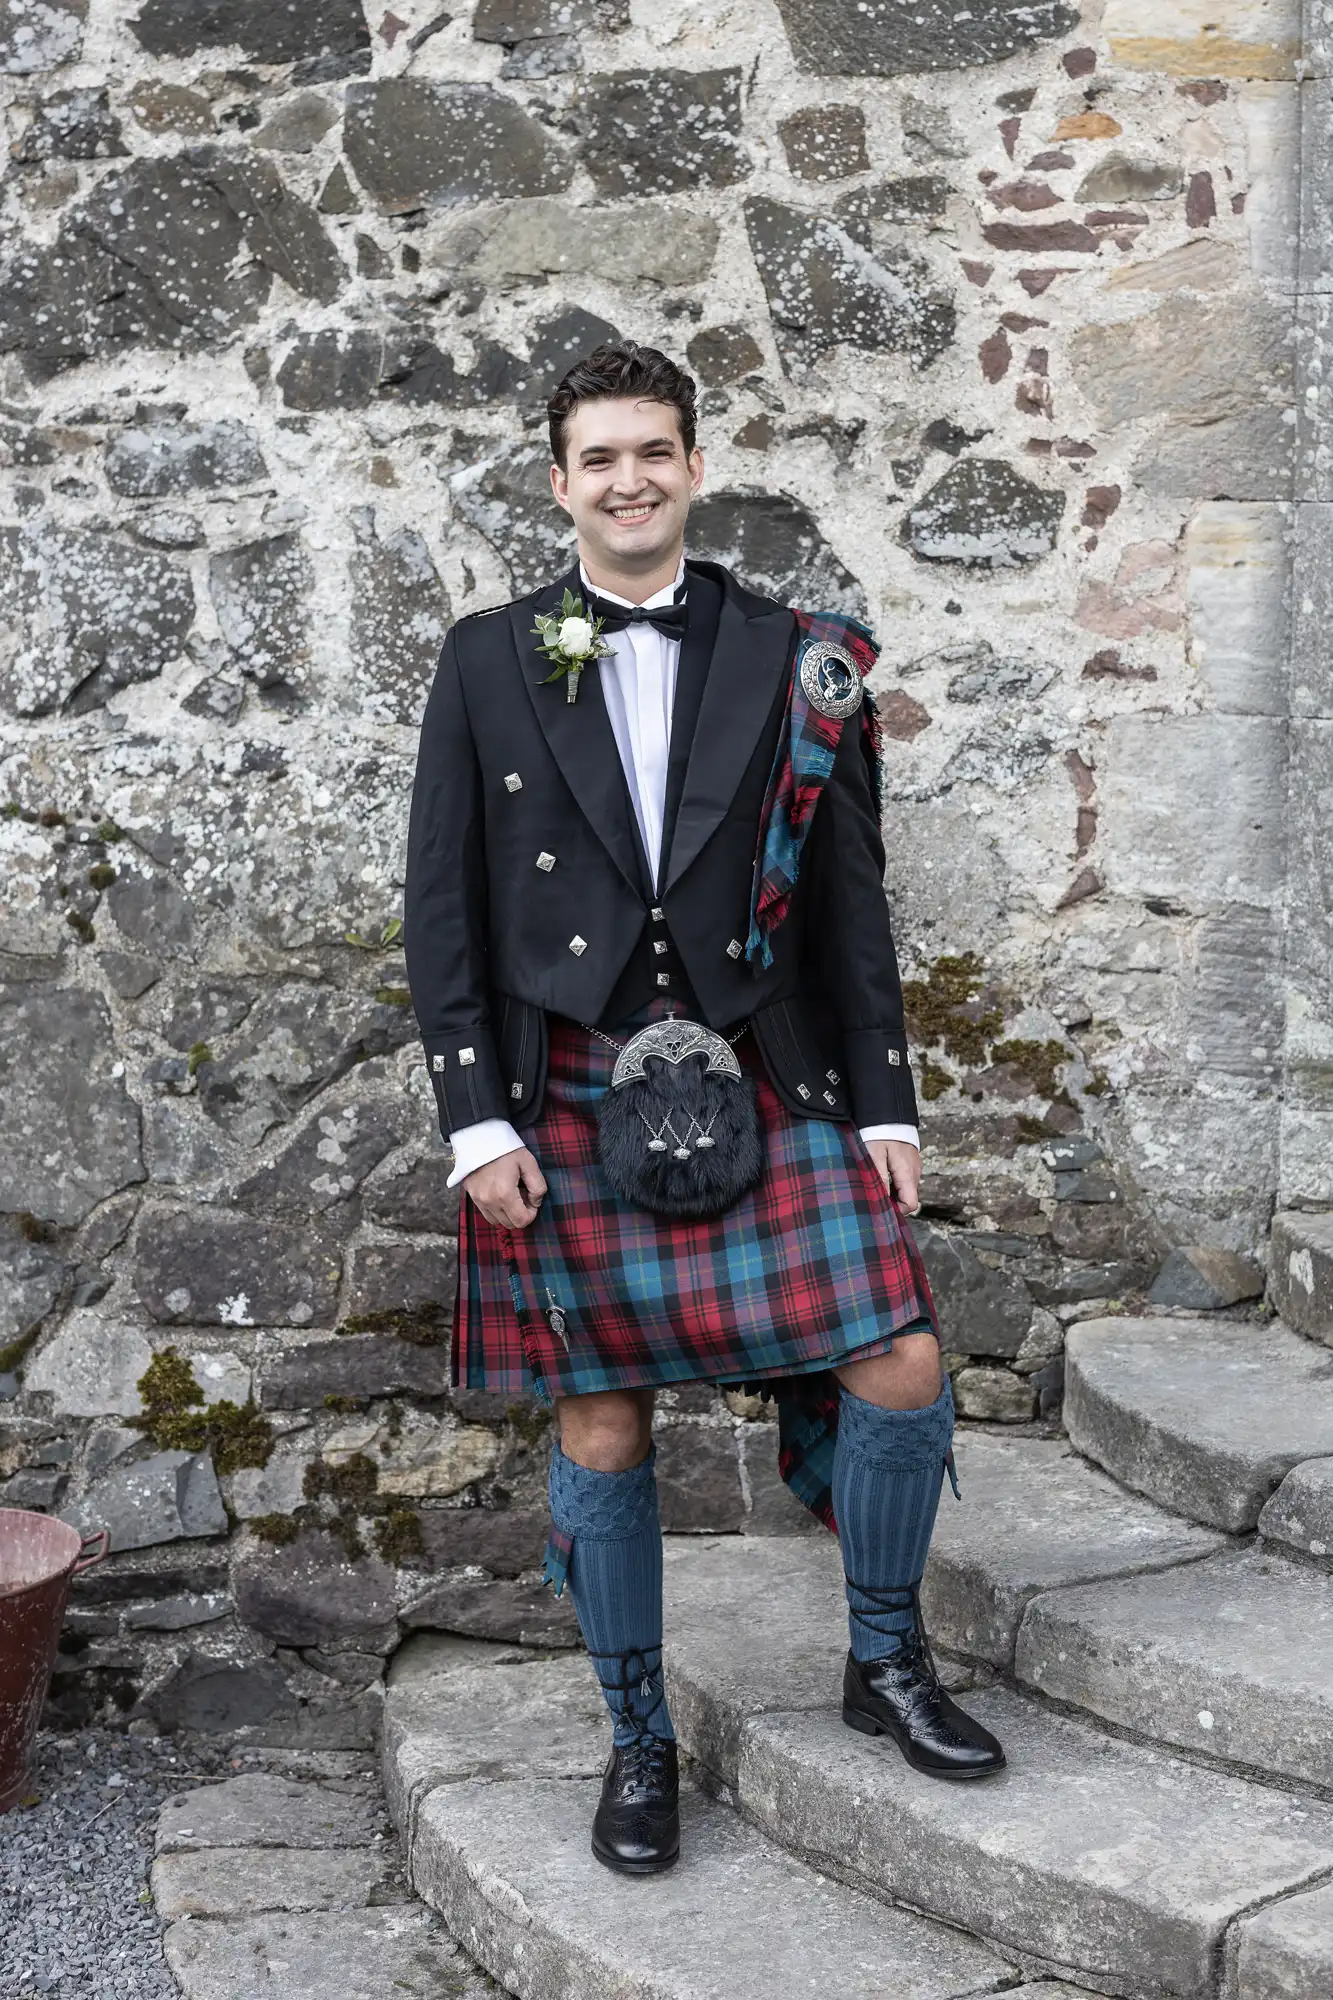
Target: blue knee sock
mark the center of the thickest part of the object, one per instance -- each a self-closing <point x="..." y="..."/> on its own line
<point x="610" y="1521"/>
<point x="888" y="1468"/>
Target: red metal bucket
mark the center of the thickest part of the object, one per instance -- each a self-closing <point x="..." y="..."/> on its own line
<point x="38" y="1556"/>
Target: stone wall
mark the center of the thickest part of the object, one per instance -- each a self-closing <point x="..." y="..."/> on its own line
<point x="996" y="314"/>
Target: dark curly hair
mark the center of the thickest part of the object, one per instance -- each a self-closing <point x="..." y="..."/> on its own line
<point x="621" y="369"/>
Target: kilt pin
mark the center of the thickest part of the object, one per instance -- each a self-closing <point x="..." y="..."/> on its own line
<point x="523" y="831"/>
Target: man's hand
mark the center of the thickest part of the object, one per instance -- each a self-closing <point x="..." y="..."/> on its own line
<point x="900" y="1170"/>
<point x="508" y="1191"/>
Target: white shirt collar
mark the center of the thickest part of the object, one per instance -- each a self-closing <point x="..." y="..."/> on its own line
<point x="664" y="596"/>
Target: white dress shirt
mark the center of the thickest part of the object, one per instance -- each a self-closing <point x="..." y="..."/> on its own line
<point x="639" y="686"/>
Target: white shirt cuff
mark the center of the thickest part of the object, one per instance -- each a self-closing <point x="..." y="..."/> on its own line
<point x="906" y="1135"/>
<point x="477" y="1145"/>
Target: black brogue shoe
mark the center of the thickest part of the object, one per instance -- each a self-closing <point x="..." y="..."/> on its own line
<point x="901" y="1697"/>
<point x="637" y="1827"/>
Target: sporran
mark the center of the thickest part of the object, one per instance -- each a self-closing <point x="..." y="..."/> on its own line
<point x="678" y="1130"/>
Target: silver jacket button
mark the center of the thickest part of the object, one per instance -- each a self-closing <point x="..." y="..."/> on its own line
<point x="467" y="1056"/>
<point x="578" y="946"/>
<point x="513" y="783"/>
<point x="735" y="948"/>
<point x="546" y="862"/>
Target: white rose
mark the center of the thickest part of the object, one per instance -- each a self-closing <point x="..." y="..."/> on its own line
<point x="575" y="637"/>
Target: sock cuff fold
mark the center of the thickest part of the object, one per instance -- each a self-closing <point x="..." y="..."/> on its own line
<point x="602" y="1506"/>
<point x="902" y="1439"/>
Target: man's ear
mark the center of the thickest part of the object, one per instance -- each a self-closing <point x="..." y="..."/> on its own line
<point x="696" y="463"/>
<point x="560" y="486"/>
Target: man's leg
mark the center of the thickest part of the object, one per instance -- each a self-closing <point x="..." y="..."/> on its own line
<point x="895" y="1427"/>
<point x="604" y="1505"/>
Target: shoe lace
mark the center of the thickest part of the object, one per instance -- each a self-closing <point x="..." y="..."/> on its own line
<point x="643" y="1762"/>
<point x="911" y="1654"/>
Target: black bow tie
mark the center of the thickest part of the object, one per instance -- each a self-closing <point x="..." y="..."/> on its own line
<point x="668" y="618"/>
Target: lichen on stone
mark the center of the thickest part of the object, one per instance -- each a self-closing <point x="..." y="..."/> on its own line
<point x="1036" y="1061"/>
<point x="425" y="1325"/>
<point x="277" y="1529"/>
<point x="937" y="1008"/>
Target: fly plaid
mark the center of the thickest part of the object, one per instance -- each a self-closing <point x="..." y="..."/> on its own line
<point x="806" y="749"/>
<point x="807" y="1270"/>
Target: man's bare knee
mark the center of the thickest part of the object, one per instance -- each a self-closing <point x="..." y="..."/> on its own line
<point x="907" y="1378"/>
<point x="607" y="1432"/>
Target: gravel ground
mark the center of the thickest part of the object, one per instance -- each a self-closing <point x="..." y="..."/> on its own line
<point x="76" y="1918"/>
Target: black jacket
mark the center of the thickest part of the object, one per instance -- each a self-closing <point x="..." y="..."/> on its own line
<point x="528" y="891"/>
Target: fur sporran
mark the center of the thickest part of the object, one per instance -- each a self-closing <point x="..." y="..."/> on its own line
<point x="679" y="1127"/>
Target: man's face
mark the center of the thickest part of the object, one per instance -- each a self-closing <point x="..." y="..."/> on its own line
<point x="628" y="483"/>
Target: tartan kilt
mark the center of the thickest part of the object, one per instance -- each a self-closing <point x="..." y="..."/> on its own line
<point x="809" y="1269"/>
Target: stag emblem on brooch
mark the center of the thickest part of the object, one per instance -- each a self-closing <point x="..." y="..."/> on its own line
<point x="830" y="680"/>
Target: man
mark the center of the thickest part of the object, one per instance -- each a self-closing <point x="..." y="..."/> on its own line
<point x="647" y="795"/>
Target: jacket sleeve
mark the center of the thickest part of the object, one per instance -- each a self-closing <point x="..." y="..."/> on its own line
<point x="445" y="909"/>
<point x="852" y="939"/>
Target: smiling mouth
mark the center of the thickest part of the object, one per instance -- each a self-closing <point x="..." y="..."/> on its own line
<point x="642" y="511"/>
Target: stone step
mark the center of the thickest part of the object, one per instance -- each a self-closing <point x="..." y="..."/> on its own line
<point x="1300" y="1272"/>
<point x="1232" y="1658"/>
<point x="1286" y="1952"/>
<point x="1107" y="1862"/>
<point x="1205" y="1416"/>
<point x="1051" y="1572"/>
<point x="493" y="1771"/>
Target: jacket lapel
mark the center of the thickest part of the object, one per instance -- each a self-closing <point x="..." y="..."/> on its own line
<point x="580" y="737"/>
<point x="744" y="678"/>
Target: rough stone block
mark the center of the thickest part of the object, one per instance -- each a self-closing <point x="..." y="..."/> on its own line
<point x="327" y="1161"/>
<point x="1286" y="1951"/>
<point x="400" y="614"/>
<point x="219" y="1695"/>
<point x="526" y="1614"/>
<point x="1190" y="806"/>
<point x="1300" y="1513"/>
<point x="415" y="1196"/>
<point x="847" y="38"/>
<point x="661" y="131"/>
<point x="430" y="1460"/>
<point x="699" y="1479"/>
<point x="58" y="1057"/>
<point x="981" y="1311"/>
<point x="1237" y="562"/>
<point x="1300" y="1273"/>
<point x="1207" y="1417"/>
<point x="171" y="1496"/>
<point x="151" y="463"/>
<point x="261" y="593"/>
<point x="403" y="1277"/>
<point x="994" y="1396"/>
<point x="404" y="1950"/>
<point x="1237" y="40"/>
<point x="92" y="1367"/>
<point x="265" y="34"/>
<point x="260" y="1809"/>
<point x="210" y="1267"/>
<point x="660" y="242"/>
<point x="309" y="1594"/>
<point x="983" y="513"/>
<point x="823" y="289"/>
<point x="1205" y="1280"/>
<point x="825" y="142"/>
<point x="275" y="1488"/>
<point x="777" y="543"/>
<point x="411" y="144"/>
<point x="362" y="1365"/>
<point x="248" y="1881"/>
<point x="32" y="41"/>
<point x="1232" y="1657"/>
<point x="504" y="1540"/>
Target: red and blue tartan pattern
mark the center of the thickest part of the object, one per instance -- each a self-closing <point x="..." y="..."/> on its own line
<point x="802" y="766"/>
<point x="811" y="1267"/>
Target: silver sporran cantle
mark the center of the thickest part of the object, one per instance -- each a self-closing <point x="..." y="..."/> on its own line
<point x="679" y="1127"/>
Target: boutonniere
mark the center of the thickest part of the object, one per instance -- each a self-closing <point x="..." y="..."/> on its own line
<point x="571" y="639"/>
